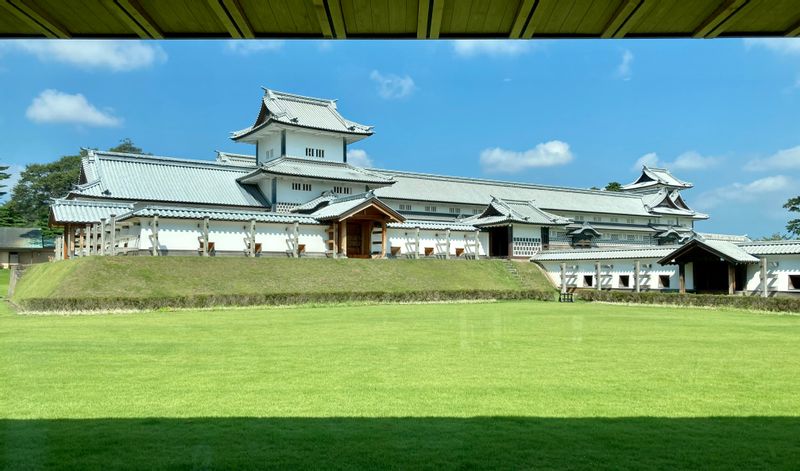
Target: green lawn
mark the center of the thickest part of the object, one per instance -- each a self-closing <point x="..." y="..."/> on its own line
<point x="494" y="385"/>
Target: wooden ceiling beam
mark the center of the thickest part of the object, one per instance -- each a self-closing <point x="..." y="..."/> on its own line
<point x="620" y="17"/>
<point x="437" y="9"/>
<point x="222" y="15"/>
<point x="794" y="31"/>
<point x="324" y="21"/>
<point x="138" y="19"/>
<point x="530" y="28"/>
<point x="337" y="19"/>
<point x="709" y="28"/>
<point x="239" y="18"/>
<point x="523" y="15"/>
<point x="634" y="19"/>
<point x="37" y="19"/>
<point x="423" y="12"/>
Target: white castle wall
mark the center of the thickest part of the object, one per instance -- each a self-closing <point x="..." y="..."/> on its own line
<point x="296" y="143"/>
<point x="429" y="238"/>
<point x="610" y="276"/>
<point x="778" y="276"/>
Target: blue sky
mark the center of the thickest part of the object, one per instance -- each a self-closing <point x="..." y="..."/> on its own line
<point x="720" y="113"/>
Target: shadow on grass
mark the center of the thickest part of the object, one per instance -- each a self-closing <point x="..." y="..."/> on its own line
<point x="432" y="443"/>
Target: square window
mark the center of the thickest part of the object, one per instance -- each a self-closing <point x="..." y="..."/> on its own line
<point x="624" y="281"/>
<point x="588" y="280"/>
<point x="663" y="281"/>
<point x="794" y="281"/>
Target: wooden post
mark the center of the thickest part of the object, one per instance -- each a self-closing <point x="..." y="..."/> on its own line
<point x="89" y="244"/>
<point x="764" y="279"/>
<point x="81" y="242"/>
<point x="343" y="235"/>
<point x="154" y="235"/>
<point x="205" y="236"/>
<point x="97" y="230"/>
<point x="477" y="243"/>
<point x="731" y="278"/>
<point x="296" y="239"/>
<point x="637" y="274"/>
<point x="447" y="244"/>
<point x="112" y="240"/>
<point x="597" y="276"/>
<point x="383" y="239"/>
<point x="563" y="277"/>
<point x="252" y="238"/>
<point x="682" y="278"/>
<point x="510" y="241"/>
<point x="335" y="239"/>
<point x="103" y="236"/>
<point x="416" y="244"/>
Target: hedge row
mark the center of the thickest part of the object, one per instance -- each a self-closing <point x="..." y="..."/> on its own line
<point x="270" y="299"/>
<point x="776" y="304"/>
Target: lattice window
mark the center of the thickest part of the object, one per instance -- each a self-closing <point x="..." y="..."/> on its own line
<point x="342" y="190"/>
<point x="405" y="207"/>
<point x="526" y="246"/>
<point x="284" y="207"/>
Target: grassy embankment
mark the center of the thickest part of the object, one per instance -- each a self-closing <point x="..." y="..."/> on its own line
<point x="106" y="282"/>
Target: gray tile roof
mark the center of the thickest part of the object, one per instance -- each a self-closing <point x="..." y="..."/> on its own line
<point x="427" y="187"/>
<point x="603" y="254"/>
<point x="22" y="238"/>
<point x="345" y="204"/>
<point x="298" y="167"/>
<point x="652" y="176"/>
<point x="171" y="212"/>
<point x="722" y="248"/>
<point x="77" y="211"/>
<point x="505" y="211"/>
<point x="778" y="247"/>
<point x="304" y="112"/>
<point x="136" y="177"/>
<point x="729" y="237"/>
<point x="432" y="225"/>
<point x="239" y="160"/>
<point x="669" y="203"/>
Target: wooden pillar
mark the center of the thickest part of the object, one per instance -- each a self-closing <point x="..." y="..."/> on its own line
<point x="682" y="278"/>
<point x="205" y="236"/>
<point x="112" y="239"/>
<point x="103" y="236"/>
<point x="416" y="244"/>
<point x="447" y="244"/>
<point x="731" y="278"/>
<point x="81" y="242"/>
<point x="154" y="235"/>
<point x="252" y="239"/>
<point x="764" y="279"/>
<point x="510" y="241"/>
<point x="637" y="275"/>
<point x="383" y="239"/>
<point x="71" y="244"/>
<point x="597" y="276"/>
<point x="343" y="236"/>
<point x="89" y="244"/>
<point x="563" y="277"/>
<point x="478" y="243"/>
<point x="335" y="239"/>
<point x="296" y="239"/>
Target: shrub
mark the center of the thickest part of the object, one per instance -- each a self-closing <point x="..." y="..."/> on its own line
<point x="271" y="299"/>
<point x="775" y="304"/>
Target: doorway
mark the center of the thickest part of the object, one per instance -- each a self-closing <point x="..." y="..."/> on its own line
<point x="498" y="241"/>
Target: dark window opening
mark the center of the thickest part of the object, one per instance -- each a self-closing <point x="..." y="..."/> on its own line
<point x="794" y="281"/>
<point x="624" y="281"/>
<point x="663" y="281"/>
<point x="588" y="280"/>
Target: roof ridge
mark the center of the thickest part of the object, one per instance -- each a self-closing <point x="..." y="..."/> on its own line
<point x="163" y="159"/>
<point x="327" y="101"/>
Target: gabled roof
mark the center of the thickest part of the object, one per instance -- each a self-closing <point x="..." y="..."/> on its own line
<point x="63" y="211"/>
<point x="346" y="206"/>
<point x="585" y="228"/>
<point x="653" y="177"/>
<point x="240" y="160"/>
<point x="290" y="166"/>
<point x="302" y="112"/>
<point x="669" y="202"/>
<point x="172" y="212"/>
<point x="735" y="238"/>
<point x="476" y="191"/>
<point x="772" y="247"/>
<point x="136" y="177"/>
<point x="22" y="238"/>
<point x="725" y="250"/>
<point x="311" y="205"/>
<point x="507" y="211"/>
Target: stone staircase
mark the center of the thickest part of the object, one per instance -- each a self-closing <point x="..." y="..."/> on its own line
<point x="511" y="268"/>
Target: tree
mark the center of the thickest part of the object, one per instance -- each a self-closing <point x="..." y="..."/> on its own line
<point x="127" y="146"/>
<point x="3" y="176"/>
<point x="793" y="205"/>
<point x="614" y="186"/>
<point x="775" y="236"/>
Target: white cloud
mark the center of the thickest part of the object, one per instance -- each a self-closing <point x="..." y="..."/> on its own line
<point x="392" y="86"/>
<point x="787" y="159"/>
<point x="548" y="154"/>
<point x="690" y="160"/>
<point x="359" y="158"/>
<point x="790" y="46"/>
<point x="624" y="68"/>
<point x="118" y="56"/>
<point x="649" y="159"/>
<point x="491" y="47"/>
<point x="745" y="192"/>
<point x="53" y="106"/>
<point x="253" y="46"/>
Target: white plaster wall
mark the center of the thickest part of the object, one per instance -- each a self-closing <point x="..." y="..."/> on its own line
<point x="179" y="234"/>
<point x="269" y="142"/>
<point x="296" y="143"/>
<point x="400" y="238"/>
<point x="610" y="276"/>
<point x="778" y="276"/>
<point x="528" y="231"/>
<point x="287" y="195"/>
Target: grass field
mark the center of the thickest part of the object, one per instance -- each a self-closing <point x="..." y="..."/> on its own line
<point x="142" y="277"/>
<point x="492" y="385"/>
